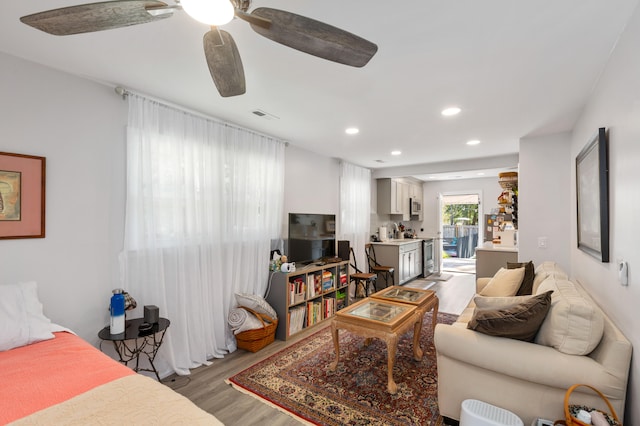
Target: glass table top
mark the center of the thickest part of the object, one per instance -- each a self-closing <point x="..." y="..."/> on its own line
<point x="378" y="311"/>
<point x="402" y="294"/>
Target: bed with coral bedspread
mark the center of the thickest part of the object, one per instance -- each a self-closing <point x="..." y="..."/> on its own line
<point x="67" y="381"/>
<point x="60" y="379"/>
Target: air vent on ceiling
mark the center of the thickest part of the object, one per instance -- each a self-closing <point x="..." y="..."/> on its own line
<point x="379" y="161"/>
<point x="264" y="114"/>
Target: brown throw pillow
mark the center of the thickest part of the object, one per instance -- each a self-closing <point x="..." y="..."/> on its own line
<point x="521" y="321"/>
<point x="526" y="287"/>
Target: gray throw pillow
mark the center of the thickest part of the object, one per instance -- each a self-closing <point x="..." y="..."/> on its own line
<point x="520" y="321"/>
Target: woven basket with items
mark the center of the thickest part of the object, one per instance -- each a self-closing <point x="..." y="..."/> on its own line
<point x="258" y="338"/>
<point x="580" y="415"/>
<point x="508" y="180"/>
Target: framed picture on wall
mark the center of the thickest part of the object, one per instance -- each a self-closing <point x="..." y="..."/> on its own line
<point x="22" y="196"/>
<point x="592" y="194"/>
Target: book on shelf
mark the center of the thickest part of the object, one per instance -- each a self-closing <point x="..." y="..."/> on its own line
<point x="317" y="283"/>
<point x="297" y="287"/>
<point x="314" y="312"/>
<point x="314" y="285"/>
<point x="343" y="280"/>
<point x="310" y="287"/>
<point x="327" y="281"/>
<point x="297" y="319"/>
<point x="329" y="306"/>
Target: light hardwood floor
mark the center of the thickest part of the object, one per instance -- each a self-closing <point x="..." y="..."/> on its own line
<point x="206" y="386"/>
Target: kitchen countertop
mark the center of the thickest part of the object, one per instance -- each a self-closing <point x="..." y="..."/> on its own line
<point x="489" y="246"/>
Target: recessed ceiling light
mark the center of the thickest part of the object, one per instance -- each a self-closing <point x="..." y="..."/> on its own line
<point x="447" y="112"/>
<point x="396" y="152"/>
<point x="352" y="131"/>
<point x="473" y="142"/>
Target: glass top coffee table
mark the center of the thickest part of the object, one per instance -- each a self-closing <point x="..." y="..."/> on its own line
<point x="386" y="320"/>
<point x="423" y="300"/>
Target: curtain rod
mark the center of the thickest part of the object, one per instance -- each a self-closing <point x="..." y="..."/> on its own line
<point x="121" y="91"/>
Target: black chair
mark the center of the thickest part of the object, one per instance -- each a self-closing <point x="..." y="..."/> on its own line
<point x="362" y="279"/>
<point x="387" y="272"/>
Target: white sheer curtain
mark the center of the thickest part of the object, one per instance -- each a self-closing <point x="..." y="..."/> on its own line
<point x="204" y="201"/>
<point x="355" y="208"/>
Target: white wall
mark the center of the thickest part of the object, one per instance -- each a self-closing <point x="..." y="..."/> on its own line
<point x="544" y="200"/>
<point x="615" y="104"/>
<point x="312" y="182"/>
<point x="79" y="126"/>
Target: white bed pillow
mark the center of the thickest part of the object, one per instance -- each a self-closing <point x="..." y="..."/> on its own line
<point x="21" y="319"/>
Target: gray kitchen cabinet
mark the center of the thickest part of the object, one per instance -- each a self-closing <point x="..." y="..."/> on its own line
<point x="393" y="197"/>
<point x="411" y="263"/>
<point x="405" y="256"/>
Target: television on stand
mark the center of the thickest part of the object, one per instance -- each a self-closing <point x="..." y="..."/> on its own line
<point x="312" y="238"/>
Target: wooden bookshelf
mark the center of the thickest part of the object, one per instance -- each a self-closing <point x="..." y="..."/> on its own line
<point x="308" y="296"/>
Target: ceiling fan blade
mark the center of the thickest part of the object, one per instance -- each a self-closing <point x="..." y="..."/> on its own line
<point x="224" y="62"/>
<point x="314" y="37"/>
<point x="86" y="18"/>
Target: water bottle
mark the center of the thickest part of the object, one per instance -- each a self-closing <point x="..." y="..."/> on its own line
<point x="117" y="312"/>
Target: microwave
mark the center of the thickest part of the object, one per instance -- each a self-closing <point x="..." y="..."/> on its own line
<point x="415" y="206"/>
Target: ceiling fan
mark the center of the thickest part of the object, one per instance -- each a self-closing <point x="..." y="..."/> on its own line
<point x="292" y="30"/>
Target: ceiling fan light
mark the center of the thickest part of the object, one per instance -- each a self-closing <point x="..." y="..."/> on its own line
<point x="210" y="12"/>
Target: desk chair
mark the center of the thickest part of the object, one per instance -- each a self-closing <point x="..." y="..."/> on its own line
<point x="364" y="279"/>
<point x="387" y="272"/>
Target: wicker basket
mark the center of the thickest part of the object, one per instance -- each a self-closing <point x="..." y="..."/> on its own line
<point x="256" y="339"/>
<point x="571" y="411"/>
<point x="508" y="180"/>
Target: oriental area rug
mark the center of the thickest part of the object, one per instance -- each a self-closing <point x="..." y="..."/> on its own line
<point x="297" y="380"/>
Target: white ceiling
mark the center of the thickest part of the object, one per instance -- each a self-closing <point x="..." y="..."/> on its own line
<point x="464" y="174"/>
<point x="515" y="68"/>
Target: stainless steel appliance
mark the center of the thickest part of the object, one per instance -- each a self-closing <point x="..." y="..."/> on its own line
<point x="415" y="206"/>
<point x="428" y="257"/>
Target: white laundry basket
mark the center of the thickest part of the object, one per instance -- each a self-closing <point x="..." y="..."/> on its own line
<point x="478" y="413"/>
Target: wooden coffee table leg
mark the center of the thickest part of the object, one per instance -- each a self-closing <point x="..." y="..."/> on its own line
<point x="417" y="329"/>
<point x="392" y="345"/>
<point x="336" y="345"/>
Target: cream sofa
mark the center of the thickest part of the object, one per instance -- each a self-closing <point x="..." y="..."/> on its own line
<point x="531" y="379"/>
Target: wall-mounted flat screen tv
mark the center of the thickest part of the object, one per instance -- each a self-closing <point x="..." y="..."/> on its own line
<point x="312" y="237"/>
